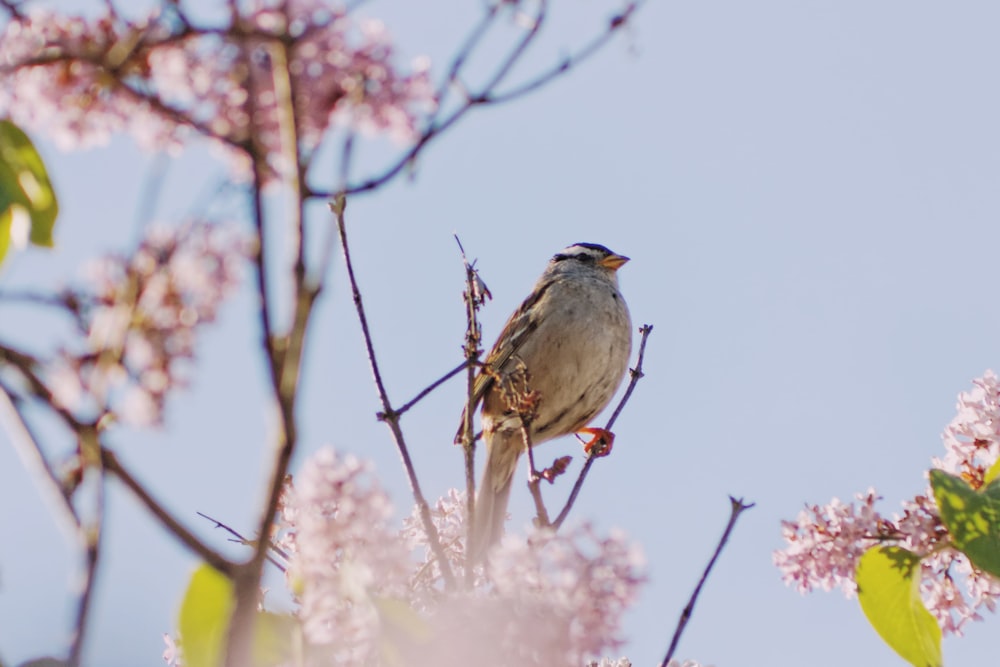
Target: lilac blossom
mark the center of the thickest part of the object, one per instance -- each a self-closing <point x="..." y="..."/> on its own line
<point x="825" y="542"/>
<point x="142" y="318"/>
<point x="81" y="80"/>
<point x="546" y="599"/>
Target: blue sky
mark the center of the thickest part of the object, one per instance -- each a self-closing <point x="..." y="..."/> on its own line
<point x="808" y="194"/>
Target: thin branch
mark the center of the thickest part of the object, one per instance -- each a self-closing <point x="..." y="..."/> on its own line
<point x="487" y="94"/>
<point x="13" y="8"/>
<point x="534" y="478"/>
<point x="427" y="390"/>
<point x="519" y="49"/>
<point x="26" y="365"/>
<point x="91" y="533"/>
<point x="469" y="46"/>
<point x="243" y="541"/>
<point x="475" y="295"/>
<point x="390" y="416"/>
<point x="636" y="374"/>
<point x="614" y="25"/>
<point x="738" y="507"/>
<point x="113" y="466"/>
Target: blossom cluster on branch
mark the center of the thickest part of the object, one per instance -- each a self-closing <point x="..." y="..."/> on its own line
<point x="825" y="542"/>
<point x="139" y="321"/>
<point x="546" y="599"/>
<point x="162" y="78"/>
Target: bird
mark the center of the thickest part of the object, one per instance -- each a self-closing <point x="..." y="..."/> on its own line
<point x="572" y="340"/>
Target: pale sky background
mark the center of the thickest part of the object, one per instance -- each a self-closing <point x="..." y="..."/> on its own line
<point x="808" y="190"/>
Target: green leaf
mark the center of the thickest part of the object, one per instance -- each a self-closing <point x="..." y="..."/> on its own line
<point x="6" y="217"/>
<point x="204" y="617"/>
<point x="972" y="518"/>
<point x="888" y="581"/>
<point x="24" y="183"/>
<point x="204" y="621"/>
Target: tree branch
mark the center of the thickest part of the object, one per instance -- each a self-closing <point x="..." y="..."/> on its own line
<point x="390" y="416"/>
<point x="427" y="390"/>
<point x="475" y="295"/>
<point x="114" y="466"/>
<point x="487" y="94"/>
<point x="738" y="507"/>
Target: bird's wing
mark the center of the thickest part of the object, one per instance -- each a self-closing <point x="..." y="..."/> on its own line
<point x="515" y="332"/>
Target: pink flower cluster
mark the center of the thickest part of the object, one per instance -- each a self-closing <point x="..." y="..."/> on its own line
<point x="80" y="80"/>
<point x="549" y="599"/>
<point x="825" y="542"/>
<point x="345" y="558"/>
<point x="141" y="320"/>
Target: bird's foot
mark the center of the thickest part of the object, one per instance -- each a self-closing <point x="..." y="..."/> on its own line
<point x="601" y="442"/>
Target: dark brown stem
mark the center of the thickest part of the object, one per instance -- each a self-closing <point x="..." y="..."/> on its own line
<point x="738" y="507"/>
<point x="26" y="365"/>
<point x="636" y="374"/>
<point x="285" y="357"/>
<point x="113" y="466"/>
<point x="614" y="24"/>
<point x="487" y="94"/>
<point x="534" y="478"/>
<point x="390" y="416"/>
<point x="474" y="297"/>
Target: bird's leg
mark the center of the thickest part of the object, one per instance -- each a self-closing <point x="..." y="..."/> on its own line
<point x="601" y="442"/>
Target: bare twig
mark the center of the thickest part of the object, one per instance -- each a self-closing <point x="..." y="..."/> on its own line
<point x="389" y="415"/>
<point x="475" y="295"/>
<point x="114" y="467"/>
<point x="428" y="389"/>
<point x="738" y="507"/>
<point x="534" y="478"/>
<point x="246" y="542"/>
<point x="468" y="47"/>
<point x="614" y="24"/>
<point x="636" y="374"/>
<point x="487" y="94"/>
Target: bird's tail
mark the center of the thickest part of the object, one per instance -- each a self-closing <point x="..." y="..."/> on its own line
<point x="493" y="496"/>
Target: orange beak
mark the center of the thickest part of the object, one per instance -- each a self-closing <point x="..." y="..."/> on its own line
<point x="613" y="262"/>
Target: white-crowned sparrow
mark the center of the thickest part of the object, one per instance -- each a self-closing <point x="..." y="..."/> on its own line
<point x="573" y="335"/>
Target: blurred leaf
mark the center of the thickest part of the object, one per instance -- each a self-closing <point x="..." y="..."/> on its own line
<point x="6" y="217"/>
<point x="204" y="621"/>
<point x="273" y="638"/>
<point x="204" y="617"/>
<point x="992" y="473"/>
<point x="24" y="183"/>
<point x="403" y="630"/>
<point x="972" y="518"/>
<point x="888" y="581"/>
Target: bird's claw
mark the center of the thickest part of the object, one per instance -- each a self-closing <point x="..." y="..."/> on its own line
<point x="601" y="442"/>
